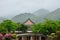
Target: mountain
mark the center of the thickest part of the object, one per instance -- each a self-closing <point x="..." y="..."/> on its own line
<point x="1" y="19"/>
<point x="55" y="15"/>
<point x="23" y="17"/>
<point x="41" y="13"/>
<point x="35" y="17"/>
<point x="38" y="17"/>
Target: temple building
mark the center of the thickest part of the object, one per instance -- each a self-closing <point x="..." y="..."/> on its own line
<point x="29" y="35"/>
<point x="28" y="22"/>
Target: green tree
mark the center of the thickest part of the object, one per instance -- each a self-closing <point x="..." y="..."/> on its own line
<point x="51" y="26"/>
<point x="22" y="28"/>
<point x="58" y="25"/>
<point x="35" y="28"/>
<point x="8" y="26"/>
<point x="2" y="30"/>
<point x="47" y="27"/>
<point x="39" y="28"/>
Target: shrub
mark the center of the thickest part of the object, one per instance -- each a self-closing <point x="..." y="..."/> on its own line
<point x="14" y="36"/>
<point x="7" y="36"/>
<point x="1" y="36"/>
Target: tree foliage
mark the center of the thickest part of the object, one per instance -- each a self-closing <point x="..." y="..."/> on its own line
<point x="47" y="27"/>
<point x="35" y="28"/>
<point x="8" y="26"/>
<point x="22" y="28"/>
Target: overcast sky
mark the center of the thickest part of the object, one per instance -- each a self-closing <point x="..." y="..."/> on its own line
<point x="10" y="8"/>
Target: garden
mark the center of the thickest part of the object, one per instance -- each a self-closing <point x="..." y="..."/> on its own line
<point x="49" y="28"/>
<point x="7" y="28"/>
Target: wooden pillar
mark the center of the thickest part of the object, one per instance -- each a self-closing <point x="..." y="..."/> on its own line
<point x="17" y="38"/>
<point x="24" y="38"/>
<point x="39" y="37"/>
<point x="33" y="38"/>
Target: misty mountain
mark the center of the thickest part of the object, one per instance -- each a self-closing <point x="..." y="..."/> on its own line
<point x="55" y="15"/>
<point x="37" y="18"/>
<point x="23" y="17"/>
<point x="41" y="13"/>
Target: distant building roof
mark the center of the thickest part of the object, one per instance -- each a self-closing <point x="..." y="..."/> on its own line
<point x="28" y="22"/>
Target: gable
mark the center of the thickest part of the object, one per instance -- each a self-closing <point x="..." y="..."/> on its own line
<point x="28" y="22"/>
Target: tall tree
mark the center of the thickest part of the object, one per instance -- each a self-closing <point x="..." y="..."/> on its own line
<point x="47" y="27"/>
<point x="22" y="28"/>
<point x="8" y="25"/>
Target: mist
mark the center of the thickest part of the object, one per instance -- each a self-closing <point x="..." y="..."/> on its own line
<point x="10" y="8"/>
